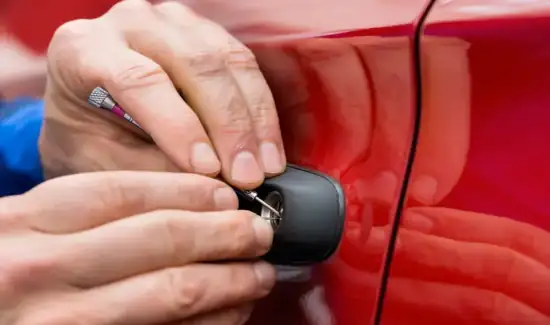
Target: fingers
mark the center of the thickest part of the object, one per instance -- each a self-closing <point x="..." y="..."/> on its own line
<point x="141" y="86"/>
<point x="160" y="240"/>
<point x="261" y="107"/>
<point x="174" y="294"/>
<point x="230" y="95"/>
<point x="202" y="60"/>
<point x="246" y="84"/>
<point x="472" y="227"/>
<point x="146" y="56"/>
<point x="110" y="196"/>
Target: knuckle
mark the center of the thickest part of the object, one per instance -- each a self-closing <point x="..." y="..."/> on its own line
<point x="11" y="214"/>
<point x="21" y="271"/>
<point x="239" y="56"/>
<point x="235" y="119"/>
<point x="204" y="64"/>
<point x="239" y="225"/>
<point x="108" y="189"/>
<point x="73" y="30"/>
<point x="264" y="115"/>
<point x="69" y="40"/>
<point x="174" y="232"/>
<point x="36" y="267"/>
<point x="138" y="75"/>
<point x="186" y="290"/>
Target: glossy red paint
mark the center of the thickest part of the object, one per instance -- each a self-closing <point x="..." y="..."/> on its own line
<point x="474" y="238"/>
<point x="342" y="77"/>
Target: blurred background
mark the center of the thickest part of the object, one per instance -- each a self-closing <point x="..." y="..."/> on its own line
<point x="26" y="27"/>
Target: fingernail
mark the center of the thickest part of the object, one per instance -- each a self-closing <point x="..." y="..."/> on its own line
<point x="204" y="159"/>
<point x="225" y="199"/>
<point x="271" y="158"/>
<point x="265" y="273"/>
<point x="424" y="189"/>
<point x="245" y="168"/>
<point x="264" y="235"/>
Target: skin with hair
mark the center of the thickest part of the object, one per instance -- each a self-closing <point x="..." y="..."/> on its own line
<point x="98" y="266"/>
<point x="147" y="56"/>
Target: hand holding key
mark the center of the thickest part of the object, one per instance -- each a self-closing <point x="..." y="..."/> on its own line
<point x="130" y="248"/>
<point x="148" y="57"/>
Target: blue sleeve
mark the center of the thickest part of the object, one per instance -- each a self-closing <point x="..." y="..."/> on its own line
<point x="20" y="166"/>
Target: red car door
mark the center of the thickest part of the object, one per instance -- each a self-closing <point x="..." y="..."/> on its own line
<point x="344" y="80"/>
<point x="434" y="115"/>
<point x="473" y="246"/>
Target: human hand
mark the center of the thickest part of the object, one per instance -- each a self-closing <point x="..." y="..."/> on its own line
<point x="145" y="56"/>
<point x="130" y="248"/>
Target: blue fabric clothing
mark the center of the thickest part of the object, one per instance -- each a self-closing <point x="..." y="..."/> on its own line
<point x="20" y="166"/>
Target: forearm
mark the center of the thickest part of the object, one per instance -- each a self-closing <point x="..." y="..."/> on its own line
<point x="20" y="167"/>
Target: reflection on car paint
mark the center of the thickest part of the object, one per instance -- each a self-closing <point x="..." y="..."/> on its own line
<point x="346" y="108"/>
<point x="342" y="77"/>
<point x="473" y="242"/>
<point x="474" y="236"/>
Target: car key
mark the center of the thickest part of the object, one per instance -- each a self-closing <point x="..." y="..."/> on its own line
<point x="305" y="208"/>
<point x="100" y="98"/>
<point x="311" y="217"/>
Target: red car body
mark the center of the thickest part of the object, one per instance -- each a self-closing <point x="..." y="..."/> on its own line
<point x="433" y="115"/>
